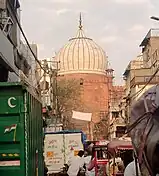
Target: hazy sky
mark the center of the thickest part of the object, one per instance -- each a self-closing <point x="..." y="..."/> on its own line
<point x="118" y="26"/>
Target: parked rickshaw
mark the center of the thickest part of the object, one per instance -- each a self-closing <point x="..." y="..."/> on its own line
<point x="100" y="157"/>
<point x="122" y="149"/>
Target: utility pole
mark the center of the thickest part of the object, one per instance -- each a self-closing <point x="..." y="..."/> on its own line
<point x="55" y="92"/>
<point x="49" y="90"/>
<point x="54" y="87"/>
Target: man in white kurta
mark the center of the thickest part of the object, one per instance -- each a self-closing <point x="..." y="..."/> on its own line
<point x="75" y="164"/>
<point x="130" y="170"/>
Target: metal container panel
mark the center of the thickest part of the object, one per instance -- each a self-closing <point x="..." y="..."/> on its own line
<point x="21" y="135"/>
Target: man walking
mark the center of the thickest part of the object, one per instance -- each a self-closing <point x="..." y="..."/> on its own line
<point x="75" y="164"/>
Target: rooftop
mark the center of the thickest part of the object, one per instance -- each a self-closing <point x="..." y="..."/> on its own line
<point x="134" y="64"/>
<point x="152" y="33"/>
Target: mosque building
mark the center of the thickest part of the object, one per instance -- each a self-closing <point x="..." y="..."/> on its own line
<point x="84" y="60"/>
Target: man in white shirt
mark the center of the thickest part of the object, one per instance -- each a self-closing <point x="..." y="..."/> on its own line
<point x="130" y="170"/>
<point x="75" y="164"/>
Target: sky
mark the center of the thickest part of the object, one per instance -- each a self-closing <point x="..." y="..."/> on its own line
<point x="118" y="26"/>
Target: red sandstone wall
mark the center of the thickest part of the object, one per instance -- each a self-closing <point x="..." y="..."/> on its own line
<point x="117" y="93"/>
<point x="95" y="95"/>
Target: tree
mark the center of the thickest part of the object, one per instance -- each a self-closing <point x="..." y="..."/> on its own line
<point x="68" y="98"/>
<point x="101" y="128"/>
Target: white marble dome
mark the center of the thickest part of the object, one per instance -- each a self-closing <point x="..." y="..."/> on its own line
<point x="82" y="55"/>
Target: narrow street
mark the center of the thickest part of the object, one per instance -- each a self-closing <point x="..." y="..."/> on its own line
<point x="79" y="88"/>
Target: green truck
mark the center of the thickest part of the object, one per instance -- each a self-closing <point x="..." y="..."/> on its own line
<point x="21" y="132"/>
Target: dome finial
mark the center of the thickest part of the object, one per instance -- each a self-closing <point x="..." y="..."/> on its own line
<point x="80" y="21"/>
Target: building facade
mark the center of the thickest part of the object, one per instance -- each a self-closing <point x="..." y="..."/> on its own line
<point x="16" y="60"/>
<point x="117" y="125"/>
<point x="139" y="72"/>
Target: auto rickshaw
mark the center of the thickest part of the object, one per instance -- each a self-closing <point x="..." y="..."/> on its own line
<point x="122" y="149"/>
<point x="100" y="157"/>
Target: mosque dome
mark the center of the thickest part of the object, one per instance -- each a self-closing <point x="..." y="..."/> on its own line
<point x="82" y="55"/>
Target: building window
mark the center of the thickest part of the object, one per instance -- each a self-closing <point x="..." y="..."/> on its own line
<point x="115" y="114"/>
<point x="120" y="131"/>
<point x="81" y="81"/>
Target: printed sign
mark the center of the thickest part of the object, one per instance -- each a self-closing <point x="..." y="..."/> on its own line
<point x="53" y="129"/>
<point x="11" y="102"/>
<point x="104" y="142"/>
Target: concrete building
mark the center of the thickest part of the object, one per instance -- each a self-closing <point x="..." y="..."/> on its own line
<point x="140" y="70"/>
<point x="117" y="126"/>
<point x="31" y="75"/>
<point x="16" y="60"/>
<point x="150" y="49"/>
<point x="10" y="39"/>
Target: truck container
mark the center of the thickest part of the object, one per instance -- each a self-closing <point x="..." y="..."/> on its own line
<point x="60" y="146"/>
<point x="21" y="135"/>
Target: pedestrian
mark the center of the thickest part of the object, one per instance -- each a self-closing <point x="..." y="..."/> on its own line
<point x="87" y="160"/>
<point x="75" y="164"/>
<point x="133" y="169"/>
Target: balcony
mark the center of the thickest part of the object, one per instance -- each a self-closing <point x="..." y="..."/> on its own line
<point x="138" y="74"/>
<point x="140" y="80"/>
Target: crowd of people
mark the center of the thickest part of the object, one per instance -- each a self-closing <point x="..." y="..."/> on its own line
<point x="84" y="164"/>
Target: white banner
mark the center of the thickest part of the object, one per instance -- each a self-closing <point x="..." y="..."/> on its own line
<point x="82" y="116"/>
